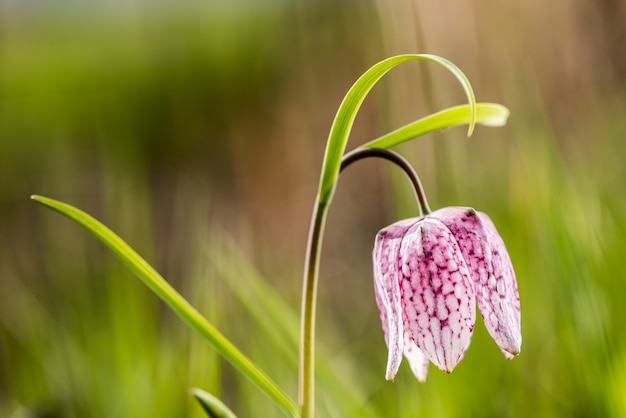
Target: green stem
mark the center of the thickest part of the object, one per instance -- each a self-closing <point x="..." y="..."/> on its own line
<point x="309" y="302"/>
<point x="311" y="270"/>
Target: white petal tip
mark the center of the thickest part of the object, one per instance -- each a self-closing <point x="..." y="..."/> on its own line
<point x="392" y="371"/>
<point x="447" y="369"/>
<point x="510" y="354"/>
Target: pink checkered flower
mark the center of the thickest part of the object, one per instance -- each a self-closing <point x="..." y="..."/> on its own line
<point x="429" y="272"/>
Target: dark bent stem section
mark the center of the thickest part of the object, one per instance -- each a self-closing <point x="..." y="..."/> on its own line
<point x="311" y="269"/>
<point x="397" y="159"/>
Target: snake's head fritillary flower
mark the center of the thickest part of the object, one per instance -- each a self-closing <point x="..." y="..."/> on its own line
<point x="429" y="273"/>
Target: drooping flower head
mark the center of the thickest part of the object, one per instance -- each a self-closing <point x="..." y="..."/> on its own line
<point x="429" y="273"/>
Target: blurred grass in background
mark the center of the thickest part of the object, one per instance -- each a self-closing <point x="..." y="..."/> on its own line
<point x="196" y="130"/>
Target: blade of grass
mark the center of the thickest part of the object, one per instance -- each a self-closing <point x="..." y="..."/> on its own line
<point x="174" y="300"/>
<point x="211" y="405"/>
<point x="280" y="323"/>
<point x="488" y="114"/>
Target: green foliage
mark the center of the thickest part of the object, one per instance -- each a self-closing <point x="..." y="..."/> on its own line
<point x="344" y="119"/>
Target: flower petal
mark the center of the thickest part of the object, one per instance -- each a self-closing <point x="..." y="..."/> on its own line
<point x="504" y="301"/>
<point x="438" y="298"/>
<point x="416" y="358"/>
<point x="491" y="271"/>
<point x="386" y="288"/>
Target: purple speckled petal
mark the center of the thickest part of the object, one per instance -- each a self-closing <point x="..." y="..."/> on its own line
<point x="438" y="301"/>
<point x="503" y="305"/>
<point x="386" y="288"/>
<point x="417" y="360"/>
<point x="491" y="271"/>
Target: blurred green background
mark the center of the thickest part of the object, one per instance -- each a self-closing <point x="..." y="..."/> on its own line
<point x="196" y="131"/>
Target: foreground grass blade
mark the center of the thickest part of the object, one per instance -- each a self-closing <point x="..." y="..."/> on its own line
<point x="488" y="114"/>
<point x="179" y="304"/>
<point x="211" y="405"/>
<point x="342" y="125"/>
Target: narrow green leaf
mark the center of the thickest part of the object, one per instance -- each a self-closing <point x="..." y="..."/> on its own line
<point x="178" y="303"/>
<point x="211" y="405"/>
<point x="342" y="125"/>
<point x="488" y="114"/>
<point x="279" y="322"/>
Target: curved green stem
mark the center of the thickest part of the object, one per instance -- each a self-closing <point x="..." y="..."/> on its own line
<point x="311" y="270"/>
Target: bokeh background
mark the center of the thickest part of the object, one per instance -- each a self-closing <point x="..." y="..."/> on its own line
<point x="196" y="131"/>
